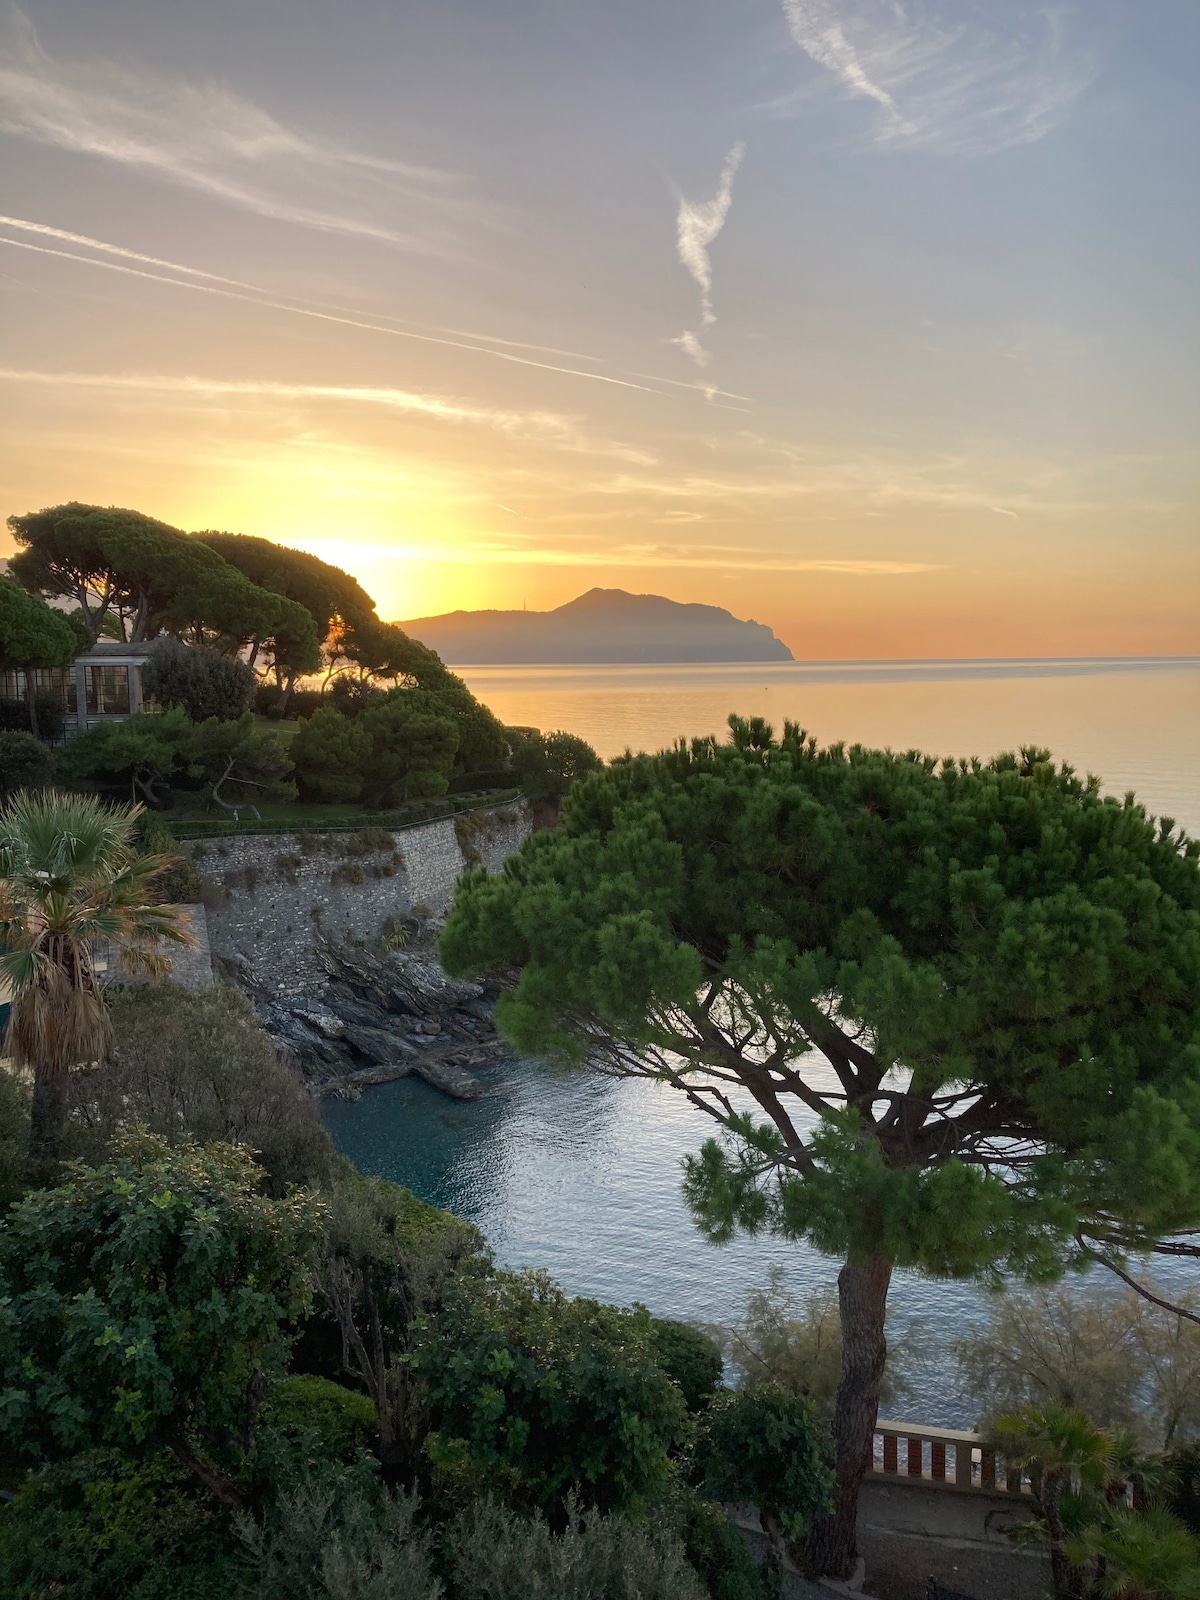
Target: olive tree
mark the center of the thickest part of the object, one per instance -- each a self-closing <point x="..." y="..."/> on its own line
<point x="944" y="1015"/>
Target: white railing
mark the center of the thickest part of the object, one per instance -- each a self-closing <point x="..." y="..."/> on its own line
<point x="910" y="1452"/>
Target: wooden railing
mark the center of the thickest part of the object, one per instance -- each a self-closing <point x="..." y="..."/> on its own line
<point x="909" y="1452"/>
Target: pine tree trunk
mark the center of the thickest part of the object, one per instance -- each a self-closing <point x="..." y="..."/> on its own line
<point x="831" y="1548"/>
<point x="48" y="1120"/>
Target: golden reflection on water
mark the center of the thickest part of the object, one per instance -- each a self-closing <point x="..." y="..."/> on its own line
<point x="1135" y="724"/>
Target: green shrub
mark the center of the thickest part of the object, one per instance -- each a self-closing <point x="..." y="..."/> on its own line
<point x="534" y="1396"/>
<point x="764" y="1448"/>
<point x="198" y="1063"/>
<point x="494" y="1554"/>
<point x="329" y="753"/>
<point x="332" y="1538"/>
<point x="101" y="1527"/>
<point x="1182" y="1486"/>
<point x="339" y="1422"/>
<point x="690" y="1357"/>
<point x="204" y="682"/>
<point x="25" y="763"/>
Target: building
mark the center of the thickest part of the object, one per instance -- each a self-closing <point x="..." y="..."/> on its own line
<point x="104" y="684"/>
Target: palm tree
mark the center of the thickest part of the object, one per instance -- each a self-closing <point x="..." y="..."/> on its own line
<point x="1058" y="1444"/>
<point x="71" y="878"/>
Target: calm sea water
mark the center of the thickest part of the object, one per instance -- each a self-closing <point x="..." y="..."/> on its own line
<point x="581" y="1175"/>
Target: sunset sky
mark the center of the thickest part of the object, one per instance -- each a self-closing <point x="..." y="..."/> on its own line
<point x="875" y="320"/>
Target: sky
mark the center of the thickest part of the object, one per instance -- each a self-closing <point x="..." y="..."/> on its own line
<point x="874" y="320"/>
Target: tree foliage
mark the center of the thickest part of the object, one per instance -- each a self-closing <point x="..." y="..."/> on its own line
<point x="534" y="1396"/>
<point x="150" y="578"/>
<point x="763" y="1447"/>
<point x="330" y="753"/>
<point x="946" y="1014"/>
<point x="198" y="1065"/>
<point x="1127" y="1364"/>
<point x="33" y="634"/>
<point x="414" y="738"/>
<point x="546" y="765"/>
<point x="204" y="682"/>
<point x="144" y="1304"/>
<point x="25" y="763"/>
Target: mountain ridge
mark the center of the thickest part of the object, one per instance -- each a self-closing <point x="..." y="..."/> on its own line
<point x="601" y="626"/>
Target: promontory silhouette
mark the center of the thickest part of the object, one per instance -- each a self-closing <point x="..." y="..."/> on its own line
<point x="601" y="626"/>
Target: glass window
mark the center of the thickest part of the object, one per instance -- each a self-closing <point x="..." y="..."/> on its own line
<point x="60" y="682"/>
<point x="108" y="691"/>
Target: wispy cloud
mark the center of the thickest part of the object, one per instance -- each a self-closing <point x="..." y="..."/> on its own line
<point x="954" y="75"/>
<point x="544" y="427"/>
<point x="696" y="226"/>
<point x="203" y="135"/>
<point x="247" y="293"/>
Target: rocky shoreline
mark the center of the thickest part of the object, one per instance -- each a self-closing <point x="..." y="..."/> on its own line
<point x="383" y="1015"/>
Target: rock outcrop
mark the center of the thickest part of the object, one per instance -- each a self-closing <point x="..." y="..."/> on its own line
<point x="381" y="1016"/>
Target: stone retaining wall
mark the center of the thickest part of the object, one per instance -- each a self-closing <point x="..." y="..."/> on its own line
<point x="272" y="897"/>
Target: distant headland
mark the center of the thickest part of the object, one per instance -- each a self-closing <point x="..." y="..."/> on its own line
<point x="602" y="626"/>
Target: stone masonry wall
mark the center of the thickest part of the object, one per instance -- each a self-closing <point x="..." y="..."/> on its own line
<point x="273" y="897"/>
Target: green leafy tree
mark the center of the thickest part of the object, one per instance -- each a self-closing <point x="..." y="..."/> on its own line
<point x="547" y="764"/>
<point x="947" y="1016"/>
<point x="330" y="753"/>
<point x="333" y="600"/>
<point x="535" y="1396"/>
<point x="145" y="1304"/>
<point x="689" y="1357"/>
<point x="764" y="1447"/>
<point x="32" y="635"/>
<point x="413" y="743"/>
<point x="198" y="1064"/>
<point x="238" y="757"/>
<point x="25" y="763"/>
<point x="386" y="1268"/>
<point x="150" y="578"/>
<point x="70" y="877"/>
<point x="204" y="682"/>
<point x="140" y="753"/>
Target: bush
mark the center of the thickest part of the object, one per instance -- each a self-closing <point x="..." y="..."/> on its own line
<point x="1127" y="1364"/>
<point x="534" y="1396"/>
<point x="332" y="1538"/>
<point x="14" y="1138"/>
<point x="269" y="702"/>
<point x="547" y="764"/>
<point x="329" y="753"/>
<point x="51" y="718"/>
<point x="25" y="763"/>
<point x="145" y="1304"/>
<point x="785" y="1342"/>
<point x="204" y="682"/>
<point x="766" y="1449"/>
<point x="102" y="1527"/>
<point x="1182" y="1486"/>
<point x="494" y="1554"/>
<point x="180" y="884"/>
<point x="198" y="1064"/>
<point x="690" y="1357"/>
<point x="338" y="1422"/>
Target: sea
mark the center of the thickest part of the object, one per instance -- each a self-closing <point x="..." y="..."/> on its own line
<point x="581" y="1175"/>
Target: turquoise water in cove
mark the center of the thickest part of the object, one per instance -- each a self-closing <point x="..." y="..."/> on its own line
<point x="579" y="1174"/>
